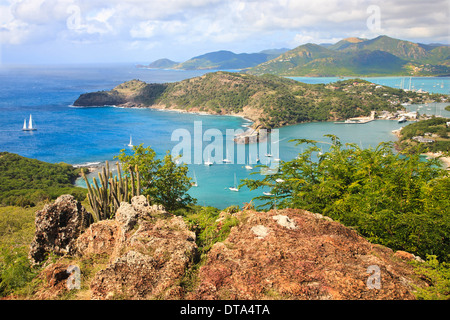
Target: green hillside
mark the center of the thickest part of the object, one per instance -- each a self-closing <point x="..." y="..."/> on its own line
<point x="360" y="57"/>
<point x="219" y="60"/>
<point x="430" y="135"/>
<point x="270" y="101"/>
<point x="162" y="64"/>
<point x="25" y="181"/>
<point x="224" y="60"/>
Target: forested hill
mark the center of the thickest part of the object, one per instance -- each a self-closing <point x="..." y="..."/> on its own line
<point x="270" y="101"/>
<point x="25" y="181"/>
<point x="381" y="56"/>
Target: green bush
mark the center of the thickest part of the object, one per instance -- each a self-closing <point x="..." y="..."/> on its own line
<point x="26" y="182"/>
<point x="16" y="271"/>
<point x="397" y="201"/>
<point x="437" y="275"/>
<point x="161" y="180"/>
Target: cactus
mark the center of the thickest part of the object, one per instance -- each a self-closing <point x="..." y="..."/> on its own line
<point x="105" y="198"/>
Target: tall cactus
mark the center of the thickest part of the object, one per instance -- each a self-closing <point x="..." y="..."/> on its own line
<point x="105" y="198"/>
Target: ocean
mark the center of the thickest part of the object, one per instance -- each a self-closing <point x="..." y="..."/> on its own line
<point x="92" y="135"/>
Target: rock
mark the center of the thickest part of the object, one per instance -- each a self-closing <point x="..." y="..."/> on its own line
<point x="58" y="225"/>
<point x="148" y="253"/>
<point x="284" y="221"/>
<point x="146" y="262"/>
<point x="260" y="231"/>
<point x="54" y="279"/>
<point x="126" y="216"/>
<point x="407" y="256"/>
<point x="404" y="255"/>
<point x="299" y="255"/>
<point x="100" y="238"/>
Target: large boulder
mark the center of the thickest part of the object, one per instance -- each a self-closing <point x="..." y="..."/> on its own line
<point x="58" y="225"/>
<point x="149" y="251"/>
<point x="295" y="254"/>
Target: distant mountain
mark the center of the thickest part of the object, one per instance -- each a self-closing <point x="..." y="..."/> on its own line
<point x="219" y="60"/>
<point x="228" y="60"/>
<point x="360" y="57"/>
<point x="161" y="64"/>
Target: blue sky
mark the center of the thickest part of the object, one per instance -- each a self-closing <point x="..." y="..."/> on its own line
<point x="141" y="31"/>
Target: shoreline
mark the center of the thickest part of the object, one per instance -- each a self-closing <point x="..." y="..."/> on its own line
<point x="445" y="160"/>
<point x="177" y="110"/>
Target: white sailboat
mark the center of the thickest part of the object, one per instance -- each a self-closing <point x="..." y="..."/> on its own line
<point x="248" y="166"/>
<point x="130" y="144"/>
<point x="30" y="125"/>
<point x="194" y="183"/>
<point x="227" y="159"/>
<point x="235" y="188"/>
<point x="208" y="163"/>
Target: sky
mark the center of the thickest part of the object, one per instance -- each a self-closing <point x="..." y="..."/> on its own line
<point x="141" y="31"/>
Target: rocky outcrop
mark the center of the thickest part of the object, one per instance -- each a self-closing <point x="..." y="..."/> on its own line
<point x="148" y="253"/>
<point x="295" y="254"/>
<point x="58" y="225"/>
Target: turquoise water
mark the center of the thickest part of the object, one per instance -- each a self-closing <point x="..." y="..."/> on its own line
<point x="92" y="135"/>
<point x="428" y="84"/>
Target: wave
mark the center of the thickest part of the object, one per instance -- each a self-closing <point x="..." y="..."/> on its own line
<point x="84" y="107"/>
<point x="87" y="164"/>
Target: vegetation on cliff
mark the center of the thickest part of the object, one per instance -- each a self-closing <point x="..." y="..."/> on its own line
<point x="400" y="202"/>
<point x="268" y="100"/>
<point x="26" y="182"/>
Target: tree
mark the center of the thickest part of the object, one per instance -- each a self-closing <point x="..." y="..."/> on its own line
<point x="401" y="202"/>
<point x="163" y="181"/>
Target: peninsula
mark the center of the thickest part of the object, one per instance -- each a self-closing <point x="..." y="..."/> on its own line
<point x="269" y="101"/>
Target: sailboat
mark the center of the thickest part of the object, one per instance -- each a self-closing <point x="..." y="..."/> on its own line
<point x="235" y="188"/>
<point x="226" y="160"/>
<point x="248" y="166"/>
<point x="194" y="183"/>
<point x="130" y="144"/>
<point x="30" y="125"/>
<point x="208" y="163"/>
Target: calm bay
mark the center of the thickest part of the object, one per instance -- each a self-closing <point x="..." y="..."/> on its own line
<point x="92" y="135"/>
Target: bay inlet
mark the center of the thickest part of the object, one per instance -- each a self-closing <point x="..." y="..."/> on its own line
<point x="92" y="135"/>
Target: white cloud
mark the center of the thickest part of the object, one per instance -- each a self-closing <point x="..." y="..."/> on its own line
<point x="217" y="23"/>
<point x="143" y="30"/>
